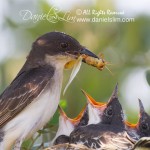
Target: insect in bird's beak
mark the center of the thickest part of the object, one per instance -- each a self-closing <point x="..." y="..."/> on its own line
<point x="93" y="60"/>
<point x="79" y="54"/>
<point x="86" y="56"/>
<point x="89" y="58"/>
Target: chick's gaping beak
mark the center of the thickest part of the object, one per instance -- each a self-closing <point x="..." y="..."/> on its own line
<point x="77" y="119"/>
<point x="62" y="113"/>
<point x="114" y="95"/>
<point x="142" y="110"/>
<point x="73" y="121"/>
<point x="130" y="125"/>
<point x="93" y="102"/>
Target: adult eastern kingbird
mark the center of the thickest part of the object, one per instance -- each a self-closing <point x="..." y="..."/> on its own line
<point x="142" y="127"/>
<point x="109" y="134"/>
<point x="29" y="102"/>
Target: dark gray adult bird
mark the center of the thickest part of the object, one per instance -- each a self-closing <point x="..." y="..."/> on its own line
<point x="29" y="102"/>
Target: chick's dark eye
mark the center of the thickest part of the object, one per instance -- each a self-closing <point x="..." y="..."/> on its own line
<point x="64" y="45"/>
<point x="144" y="126"/>
<point x="109" y="112"/>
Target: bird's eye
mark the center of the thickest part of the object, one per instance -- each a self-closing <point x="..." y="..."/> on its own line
<point x="64" y="45"/>
<point x="144" y="126"/>
<point x="109" y="112"/>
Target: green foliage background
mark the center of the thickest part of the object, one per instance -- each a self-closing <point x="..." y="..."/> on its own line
<point x="125" y="45"/>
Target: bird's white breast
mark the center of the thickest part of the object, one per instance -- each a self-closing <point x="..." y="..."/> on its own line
<point x="37" y="114"/>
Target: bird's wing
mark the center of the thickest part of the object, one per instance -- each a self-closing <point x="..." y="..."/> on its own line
<point x="101" y="140"/>
<point x="113" y="141"/>
<point x="22" y="91"/>
<point x="83" y="136"/>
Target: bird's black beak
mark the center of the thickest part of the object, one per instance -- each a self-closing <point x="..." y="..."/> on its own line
<point x="87" y="53"/>
<point x="82" y="51"/>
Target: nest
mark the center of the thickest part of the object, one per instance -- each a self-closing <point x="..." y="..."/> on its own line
<point x="67" y="146"/>
<point x="142" y="144"/>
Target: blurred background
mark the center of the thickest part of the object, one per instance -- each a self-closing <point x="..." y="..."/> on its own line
<point x="125" y="44"/>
